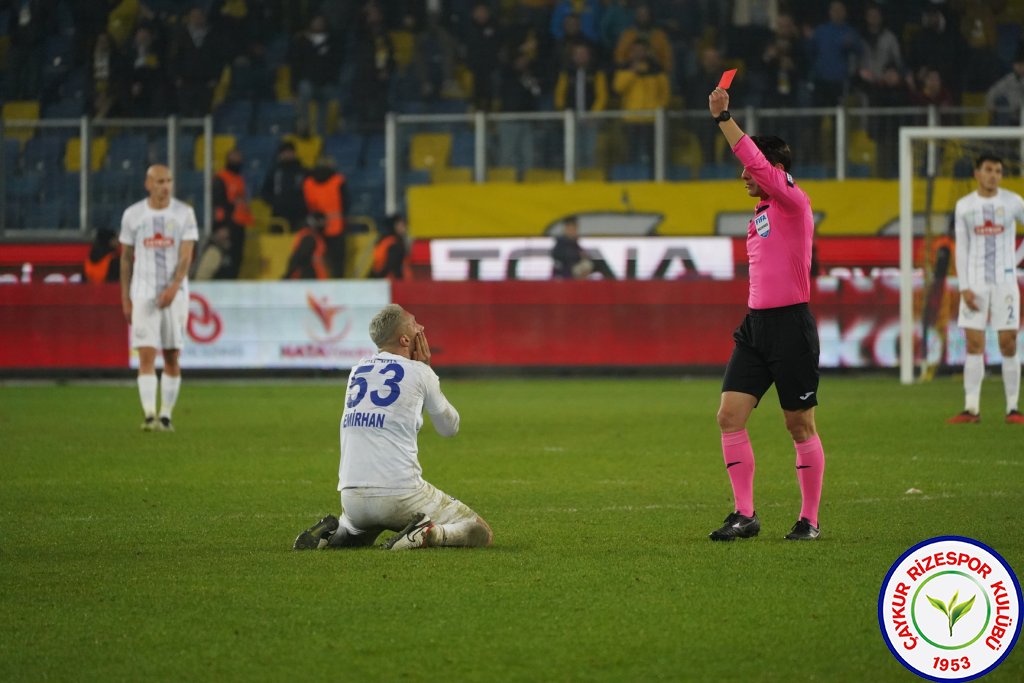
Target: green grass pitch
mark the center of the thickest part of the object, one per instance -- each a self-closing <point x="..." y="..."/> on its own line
<point x="167" y="557"/>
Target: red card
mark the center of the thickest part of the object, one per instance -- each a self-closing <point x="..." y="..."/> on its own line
<point x="727" y="79"/>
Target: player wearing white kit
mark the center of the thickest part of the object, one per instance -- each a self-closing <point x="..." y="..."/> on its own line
<point x="380" y="478"/>
<point x="986" y="267"/>
<point x="159" y="236"/>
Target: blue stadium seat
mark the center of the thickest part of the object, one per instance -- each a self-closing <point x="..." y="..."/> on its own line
<point x="44" y="153"/>
<point x="12" y="160"/>
<point x="463" y="145"/>
<point x="234" y="118"/>
<point x="810" y="172"/>
<point x="373" y="151"/>
<point x="630" y="172"/>
<point x="189" y="186"/>
<point x="448" y="107"/>
<point x="115" y="185"/>
<point x="345" y="150"/>
<point x="186" y="151"/>
<point x="69" y="108"/>
<point x="858" y="171"/>
<point x="720" y="171"/>
<point x="128" y="153"/>
<point x="24" y="187"/>
<point x="679" y="173"/>
<point x="275" y="118"/>
<point x="45" y="216"/>
<point x="410" y="178"/>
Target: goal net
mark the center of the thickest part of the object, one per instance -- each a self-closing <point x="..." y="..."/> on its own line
<point x="936" y="169"/>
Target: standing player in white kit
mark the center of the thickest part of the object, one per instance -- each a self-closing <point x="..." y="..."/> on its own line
<point x="986" y="269"/>
<point x="380" y="477"/>
<point x="159" y="236"/>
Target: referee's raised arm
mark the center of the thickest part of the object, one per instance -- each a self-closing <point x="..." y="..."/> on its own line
<point x="718" y="103"/>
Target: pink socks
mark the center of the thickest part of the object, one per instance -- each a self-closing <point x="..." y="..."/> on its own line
<point x="739" y="464"/>
<point x="810" y="468"/>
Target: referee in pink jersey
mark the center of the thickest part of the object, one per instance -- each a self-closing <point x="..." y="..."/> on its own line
<point x="777" y="342"/>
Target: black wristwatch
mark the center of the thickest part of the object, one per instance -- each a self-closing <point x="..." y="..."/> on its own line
<point x="723" y="117"/>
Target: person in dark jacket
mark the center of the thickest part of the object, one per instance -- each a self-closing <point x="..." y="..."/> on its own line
<point x="571" y="261"/>
<point x="315" y="59"/>
<point x="282" y="188"/>
<point x="195" y="64"/>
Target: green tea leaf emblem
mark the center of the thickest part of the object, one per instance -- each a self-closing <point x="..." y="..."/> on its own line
<point x="954" y="612"/>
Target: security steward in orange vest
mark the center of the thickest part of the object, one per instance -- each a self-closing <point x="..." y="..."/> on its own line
<point x="103" y="264"/>
<point x="389" y="256"/>
<point x="308" y="251"/>
<point x="326" y="193"/>
<point x="231" y="207"/>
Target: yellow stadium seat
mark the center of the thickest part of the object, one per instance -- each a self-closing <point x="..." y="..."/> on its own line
<point x="283" y="84"/>
<point x="222" y="144"/>
<point x="543" y="175"/>
<point x="23" y="110"/>
<point x="975" y="99"/>
<point x="452" y="175"/>
<point x="686" y="151"/>
<point x="502" y="174"/>
<point x="403" y="44"/>
<point x="270" y="253"/>
<point x="429" y="151"/>
<point x="359" y="246"/>
<point x="220" y="92"/>
<point x="73" y="154"/>
<point x="861" y="149"/>
<point x="597" y="175"/>
<point x="307" y="149"/>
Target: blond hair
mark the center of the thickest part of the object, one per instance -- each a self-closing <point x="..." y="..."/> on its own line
<point x="384" y="326"/>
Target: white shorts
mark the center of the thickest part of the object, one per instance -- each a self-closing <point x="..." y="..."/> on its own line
<point x="159" y="328"/>
<point x="998" y="306"/>
<point x="363" y="513"/>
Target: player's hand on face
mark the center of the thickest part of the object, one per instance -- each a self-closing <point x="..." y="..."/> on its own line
<point x="968" y="297"/>
<point x="718" y="101"/>
<point x="421" y="349"/>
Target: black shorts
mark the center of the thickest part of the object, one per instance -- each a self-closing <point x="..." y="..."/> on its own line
<point x="780" y="346"/>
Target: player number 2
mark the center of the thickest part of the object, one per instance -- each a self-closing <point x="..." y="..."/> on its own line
<point x="376" y="398"/>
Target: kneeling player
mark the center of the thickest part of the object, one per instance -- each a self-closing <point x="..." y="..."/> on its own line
<point x="380" y="477"/>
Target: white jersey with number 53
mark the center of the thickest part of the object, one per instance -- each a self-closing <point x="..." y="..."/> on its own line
<point x="382" y="418"/>
<point x="986" y="237"/>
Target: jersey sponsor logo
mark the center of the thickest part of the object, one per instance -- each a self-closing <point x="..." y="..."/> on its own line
<point x="761" y="225"/>
<point x="949" y="609"/>
<point x="158" y="241"/>
<point x="989" y="228"/>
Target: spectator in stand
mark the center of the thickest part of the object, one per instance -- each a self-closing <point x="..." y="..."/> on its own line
<point x="315" y="57"/>
<point x="881" y="49"/>
<point x="520" y="92"/>
<point x="782" y="68"/>
<point x="751" y="28"/>
<point x="888" y="91"/>
<point x="832" y="45"/>
<point x="232" y="21"/>
<point x="589" y="12"/>
<point x="374" y="58"/>
<point x="979" y="31"/>
<point x="103" y="264"/>
<point x="1006" y="97"/>
<point x="572" y="35"/>
<point x="583" y="88"/>
<point x="931" y="91"/>
<point x="482" y="42"/>
<point x="282" y="188"/>
<point x="107" y="71"/>
<point x="147" y="94"/>
<point x="391" y="252"/>
<point x="309" y="250"/>
<point x="90" y="20"/>
<point x="643" y="28"/>
<point x="27" y="28"/>
<point x="326" y="193"/>
<point x="711" y="66"/>
<point x="215" y="261"/>
<point x="231" y="209"/>
<point x="615" y="19"/>
<point x="195" y="64"/>
<point x="936" y="47"/>
<point x="642" y="85"/>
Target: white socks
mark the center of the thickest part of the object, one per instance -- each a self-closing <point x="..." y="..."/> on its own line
<point x="169" y="386"/>
<point x="1011" y="381"/>
<point x="974" y="372"/>
<point x="147" y="394"/>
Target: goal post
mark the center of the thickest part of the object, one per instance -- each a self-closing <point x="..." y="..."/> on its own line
<point x="933" y="136"/>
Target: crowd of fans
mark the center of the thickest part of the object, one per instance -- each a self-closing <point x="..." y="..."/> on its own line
<point x="362" y="57"/>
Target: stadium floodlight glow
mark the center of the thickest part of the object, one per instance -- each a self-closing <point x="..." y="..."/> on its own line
<point x="933" y="134"/>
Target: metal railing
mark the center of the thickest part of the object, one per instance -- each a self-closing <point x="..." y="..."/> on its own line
<point x="162" y="143"/>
